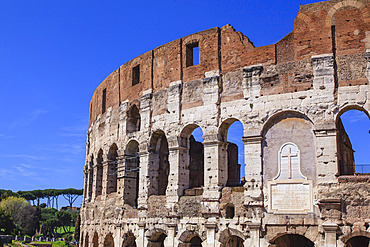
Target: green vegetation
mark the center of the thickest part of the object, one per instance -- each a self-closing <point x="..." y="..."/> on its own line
<point x="19" y="217"/>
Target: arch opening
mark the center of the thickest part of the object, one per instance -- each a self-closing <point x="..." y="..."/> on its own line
<point x="131" y="173"/>
<point x="231" y="131"/>
<point x="353" y="137"/>
<point x="86" y="241"/>
<point x="157" y="240"/>
<point x="129" y="240"/>
<point x="234" y="241"/>
<point x="112" y="169"/>
<point x="158" y="163"/>
<point x="358" y="241"/>
<point x="99" y="173"/>
<point x="90" y="178"/>
<point x="95" y="242"/>
<point x="108" y="241"/>
<point x="133" y="120"/>
<point x="192" y="158"/>
<point x="293" y="240"/>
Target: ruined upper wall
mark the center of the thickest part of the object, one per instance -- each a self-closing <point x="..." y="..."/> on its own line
<point x="336" y="26"/>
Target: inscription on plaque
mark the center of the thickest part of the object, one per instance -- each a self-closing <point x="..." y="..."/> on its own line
<point x="290" y="191"/>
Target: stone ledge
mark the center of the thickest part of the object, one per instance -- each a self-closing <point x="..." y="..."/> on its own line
<point x="354" y="179"/>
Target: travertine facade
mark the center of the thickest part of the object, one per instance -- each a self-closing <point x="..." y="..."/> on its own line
<point x="149" y="183"/>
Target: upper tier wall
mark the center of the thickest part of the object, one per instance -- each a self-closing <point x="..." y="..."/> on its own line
<point x="326" y="27"/>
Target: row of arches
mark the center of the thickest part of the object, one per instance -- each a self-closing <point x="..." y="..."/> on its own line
<point x="126" y="166"/>
<point x="227" y="239"/>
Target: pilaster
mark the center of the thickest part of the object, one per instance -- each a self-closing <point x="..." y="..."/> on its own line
<point x="323" y="72"/>
<point x="330" y="234"/>
<point x="251" y="81"/>
<point x="145" y="110"/>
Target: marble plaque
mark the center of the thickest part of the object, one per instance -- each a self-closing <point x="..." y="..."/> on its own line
<point x="290" y="196"/>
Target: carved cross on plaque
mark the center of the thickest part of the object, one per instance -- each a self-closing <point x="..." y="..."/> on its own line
<point x="289" y="162"/>
<point x="289" y="155"/>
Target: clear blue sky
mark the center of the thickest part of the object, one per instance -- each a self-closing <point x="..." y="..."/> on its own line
<point x="54" y="54"/>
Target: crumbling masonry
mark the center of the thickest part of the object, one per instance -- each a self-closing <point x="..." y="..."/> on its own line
<point x="148" y="182"/>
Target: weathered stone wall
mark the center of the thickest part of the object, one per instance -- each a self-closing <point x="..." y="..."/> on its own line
<point x="288" y="96"/>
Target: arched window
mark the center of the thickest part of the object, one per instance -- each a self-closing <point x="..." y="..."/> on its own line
<point x="96" y="240"/>
<point x="112" y="169"/>
<point x="191" y="138"/>
<point x="108" y="242"/>
<point x="90" y="178"/>
<point x="231" y="131"/>
<point x="234" y="241"/>
<point x="129" y="240"/>
<point x="158" y="163"/>
<point x="99" y="173"/>
<point x="131" y="173"/>
<point x="157" y="240"/>
<point x="133" y="120"/>
<point x="352" y="142"/>
<point x="293" y="240"/>
<point x="358" y="241"/>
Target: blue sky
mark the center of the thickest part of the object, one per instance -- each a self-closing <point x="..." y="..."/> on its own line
<point x="55" y="53"/>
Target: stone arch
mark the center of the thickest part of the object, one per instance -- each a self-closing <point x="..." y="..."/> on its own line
<point x="291" y="240"/>
<point x="304" y="18"/>
<point x="342" y="4"/>
<point x="95" y="240"/>
<point x="190" y="238"/>
<point x="356" y="239"/>
<point x="131" y="173"/>
<point x="99" y="173"/>
<point x="288" y="127"/>
<point x="156" y="237"/>
<point x="159" y="166"/>
<point x="193" y="157"/>
<point x="228" y="234"/>
<point x="230" y="157"/>
<point x="85" y="240"/>
<point x="112" y="169"/>
<point x="345" y="152"/>
<point x="133" y="120"/>
<point x="108" y="240"/>
<point x="129" y="240"/>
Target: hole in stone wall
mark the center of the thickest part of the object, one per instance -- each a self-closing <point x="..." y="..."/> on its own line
<point x="230" y="211"/>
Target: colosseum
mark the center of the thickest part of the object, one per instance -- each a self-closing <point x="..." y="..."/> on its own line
<point x="150" y="182"/>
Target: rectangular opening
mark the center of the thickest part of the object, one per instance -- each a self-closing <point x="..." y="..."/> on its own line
<point x="135" y="75"/>
<point x="192" y="54"/>
<point x="104" y="101"/>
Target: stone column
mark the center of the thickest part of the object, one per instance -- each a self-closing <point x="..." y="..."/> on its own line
<point x="174" y="103"/>
<point x="140" y="241"/>
<point x="251" y="84"/>
<point x="215" y="167"/>
<point x="143" y="180"/>
<point x="178" y="178"/>
<point x="327" y="164"/>
<point x="85" y="199"/>
<point x="254" y="239"/>
<point x="170" y="240"/>
<point x="145" y="110"/>
<point x="330" y="234"/>
<point x="323" y="72"/>
<point x="120" y="173"/>
<point x="253" y="169"/>
<point x="211" y="234"/>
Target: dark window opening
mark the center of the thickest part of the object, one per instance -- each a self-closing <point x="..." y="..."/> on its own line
<point x="230" y="211"/>
<point x="135" y="75"/>
<point x="192" y="54"/>
<point x="104" y="101"/>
